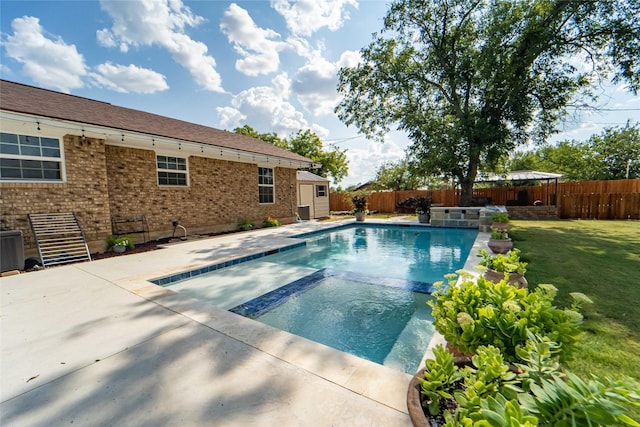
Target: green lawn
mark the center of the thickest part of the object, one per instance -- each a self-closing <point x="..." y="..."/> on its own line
<point x="602" y="260"/>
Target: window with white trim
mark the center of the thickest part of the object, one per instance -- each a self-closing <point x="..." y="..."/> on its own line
<point x="30" y="158"/>
<point x="266" y="187"/>
<point x="172" y="171"/>
<point x="321" y="191"/>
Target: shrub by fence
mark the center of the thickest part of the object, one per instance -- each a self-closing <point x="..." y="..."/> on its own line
<point x="619" y="199"/>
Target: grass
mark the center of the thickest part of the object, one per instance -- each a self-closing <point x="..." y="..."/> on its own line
<point x="602" y="260"/>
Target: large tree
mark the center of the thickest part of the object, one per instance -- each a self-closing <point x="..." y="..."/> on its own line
<point x="333" y="161"/>
<point x="470" y="80"/>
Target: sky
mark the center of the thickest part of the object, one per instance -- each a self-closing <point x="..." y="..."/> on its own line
<point x="269" y="64"/>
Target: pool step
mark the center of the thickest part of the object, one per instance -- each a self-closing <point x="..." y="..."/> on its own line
<point x="406" y="353"/>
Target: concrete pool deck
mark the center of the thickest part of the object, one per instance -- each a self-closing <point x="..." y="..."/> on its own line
<point x="97" y="344"/>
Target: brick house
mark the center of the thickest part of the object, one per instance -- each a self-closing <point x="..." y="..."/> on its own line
<point x="64" y="153"/>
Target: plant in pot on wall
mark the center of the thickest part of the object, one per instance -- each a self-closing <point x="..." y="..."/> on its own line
<point x="500" y="242"/>
<point x="119" y="244"/>
<point x="500" y="221"/>
<point x="359" y="206"/>
<point x="500" y="266"/>
<point x="423" y="209"/>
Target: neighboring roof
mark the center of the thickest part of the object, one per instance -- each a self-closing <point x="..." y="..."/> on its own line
<point x="521" y="176"/>
<point x="21" y="98"/>
<point x="308" y="176"/>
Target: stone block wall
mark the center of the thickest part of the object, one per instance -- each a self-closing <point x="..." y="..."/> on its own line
<point x="220" y="193"/>
<point x="461" y="217"/>
<point x="84" y="192"/>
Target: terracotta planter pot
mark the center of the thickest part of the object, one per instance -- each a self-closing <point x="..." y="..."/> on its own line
<point x="360" y="216"/>
<point x="502" y="226"/>
<point x="500" y="246"/>
<point x="414" y="398"/>
<point x="515" y="279"/>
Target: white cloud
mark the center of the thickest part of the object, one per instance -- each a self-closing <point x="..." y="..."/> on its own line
<point x="315" y="83"/>
<point x="258" y="47"/>
<point x="366" y="156"/>
<point x="265" y="108"/>
<point x="230" y="118"/>
<point x="129" y="79"/>
<point x="304" y="17"/>
<point x="162" y="23"/>
<point x="315" y="87"/>
<point x="52" y="63"/>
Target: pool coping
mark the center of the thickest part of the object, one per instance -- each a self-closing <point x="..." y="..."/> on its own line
<point x="358" y="375"/>
<point x="132" y="273"/>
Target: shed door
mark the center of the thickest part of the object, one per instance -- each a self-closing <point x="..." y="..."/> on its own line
<point x="306" y="198"/>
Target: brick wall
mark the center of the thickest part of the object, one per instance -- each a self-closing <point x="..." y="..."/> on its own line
<point x="85" y="193"/>
<point x="104" y="180"/>
<point x="220" y="193"/>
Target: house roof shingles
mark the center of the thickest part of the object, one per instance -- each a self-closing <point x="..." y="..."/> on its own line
<point x="21" y="98"/>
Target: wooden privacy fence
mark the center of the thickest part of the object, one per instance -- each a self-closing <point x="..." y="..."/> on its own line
<point x="600" y="206"/>
<point x="618" y="199"/>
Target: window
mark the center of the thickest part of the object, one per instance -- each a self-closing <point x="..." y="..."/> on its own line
<point x="29" y="158"/>
<point x="172" y="170"/>
<point x="321" y="191"/>
<point x="266" y="188"/>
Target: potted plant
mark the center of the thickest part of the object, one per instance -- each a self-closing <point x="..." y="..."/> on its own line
<point x="487" y="391"/>
<point x="423" y="209"/>
<point x="119" y="244"/>
<point x="500" y="221"/>
<point x="359" y="206"/>
<point x="478" y="312"/>
<point x="501" y="266"/>
<point x="500" y="243"/>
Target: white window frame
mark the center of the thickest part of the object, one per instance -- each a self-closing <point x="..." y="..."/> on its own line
<point x="324" y="192"/>
<point x="167" y="160"/>
<point x="262" y="185"/>
<point x="38" y="158"/>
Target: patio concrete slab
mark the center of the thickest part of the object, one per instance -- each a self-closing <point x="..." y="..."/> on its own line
<point x="194" y="375"/>
<point x="60" y="320"/>
<point x="98" y="344"/>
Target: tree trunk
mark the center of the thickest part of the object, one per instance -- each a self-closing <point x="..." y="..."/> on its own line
<point x="466" y="182"/>
<point x="467" y="193"/>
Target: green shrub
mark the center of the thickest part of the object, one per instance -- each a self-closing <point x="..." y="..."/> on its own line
<point x="509" y="263"/>
<point x="501" y="217"/>
<point x="493" y="393"/>
<point x="245" y="225"/>
<point x="122" y="241"/>
<point x="270" y="222"/>
<point x="479" y="312"/>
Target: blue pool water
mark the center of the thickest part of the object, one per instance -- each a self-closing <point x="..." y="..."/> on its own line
<point x="360" y="289"/>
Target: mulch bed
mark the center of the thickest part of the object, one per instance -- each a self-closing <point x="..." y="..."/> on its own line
<point x="150" y="246"/>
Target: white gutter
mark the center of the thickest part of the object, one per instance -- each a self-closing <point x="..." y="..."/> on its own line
<point x="30" y="124"/>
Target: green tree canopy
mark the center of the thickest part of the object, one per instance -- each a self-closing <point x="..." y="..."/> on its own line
<point x="397" y="176"/>
<point x="612" y="154"/>
<point x="306" y="143"/>
<point x="470" y="80"/>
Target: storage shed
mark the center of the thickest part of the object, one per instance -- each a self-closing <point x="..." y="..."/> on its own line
<point x="313" y="196"/>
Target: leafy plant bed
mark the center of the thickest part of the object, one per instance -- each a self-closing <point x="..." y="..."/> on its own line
<point x="536" y="391"/>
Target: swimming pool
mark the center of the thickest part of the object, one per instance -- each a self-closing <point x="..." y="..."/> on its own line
<point x="361" y="289"/>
